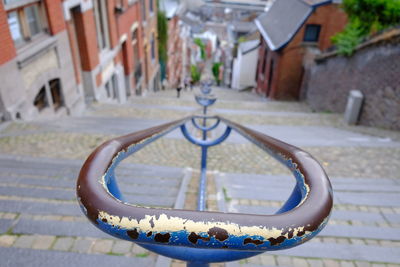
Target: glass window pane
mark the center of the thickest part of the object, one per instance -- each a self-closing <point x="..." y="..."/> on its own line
<point x="153" y="49"/>
<point x="143" y="5"/>
<point x="32" y="17"/>
<point x="6" y="2"/>
<point x="55" y="89"/>
<point x="312" y="33"/>
<point x="40" y="101"/>
<point x="15" y="29"/>
<point x="134" y="35"/>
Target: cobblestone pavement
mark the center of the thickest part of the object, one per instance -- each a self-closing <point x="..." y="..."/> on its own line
<point x="40" y="223"/>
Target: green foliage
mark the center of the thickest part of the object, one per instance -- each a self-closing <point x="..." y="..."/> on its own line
<point x="142" y="255"/>
<point x="215" y="71"/>
<point x="162" y="28"/>
<point x="202" y="46"/>
<point x="365" y="17"/>
<point x="242" y="39"/>
<point x="195" y="73"/>
<point x="226" y="197"/>
<point x="347" y="40"/>
<point x="373" y="15"/>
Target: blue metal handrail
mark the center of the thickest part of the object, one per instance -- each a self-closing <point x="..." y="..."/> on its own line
<point x="201" y="237"/>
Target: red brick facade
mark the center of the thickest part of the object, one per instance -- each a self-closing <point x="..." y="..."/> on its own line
<point x="7" y="48"/>
<point x="55" y="16"/>
<point x="86" y="33"/>
<point x="174" y="65"/>
<point x="280" y="72"/>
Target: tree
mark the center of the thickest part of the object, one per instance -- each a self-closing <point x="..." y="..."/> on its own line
<point x="162" y="29"/>
<point x="202" y="46"/>
<point x="365" y="17"/>
<point x="195" y="73"/>
<point x="215" y="71"/>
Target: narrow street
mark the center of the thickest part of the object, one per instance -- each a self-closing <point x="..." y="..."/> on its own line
<point x="42" y="225"/>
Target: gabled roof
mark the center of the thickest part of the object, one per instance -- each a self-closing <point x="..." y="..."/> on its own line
<point x="248" y="46"/>
<point x="282" y="21"/>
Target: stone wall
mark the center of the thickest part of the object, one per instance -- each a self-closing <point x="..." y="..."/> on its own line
<point x="374" y="70"/>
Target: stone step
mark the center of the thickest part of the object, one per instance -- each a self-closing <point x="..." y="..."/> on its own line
<point x="11" y="257"/>
<point x="70" y="182"/>
<point x="29" y="181"/>
<point x="103" y="125"/>
<point x="367" y="232"/>
<point x="344" y="215"/>
<point x="353" y="198"/>
<point x="69" y="173"/>
<point x="344" y="252"/>
<point x="5" y="224"/>
<point x="142" y="198"/>
<point x="58" y="228"/>
<point x="40" y="208"/>
<point x="58" y="194"/>
<point x="395" y="218"/>
<point x="54" y="167"/>
<point x="281" y="178"/>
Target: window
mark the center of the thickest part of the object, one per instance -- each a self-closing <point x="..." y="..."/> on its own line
<point x="41" y="101"/>
<point x="32" y="17"/>
<point x="26" y="22"/>
<point x="119" y="6"/>
<point x="136" y="60"/>
<point x="143" y="7"/>
<point x="100" y="14"/>
<point x="311" y="33"/>
<point x="111" y="87"/>
<point x="153" y="47"/>
<point x="151" y="6"/>
<point x="264" y="64"/>
<point x="6" y="2"/>
<point x="56" y="96"/>
<point x="15" y="28"/>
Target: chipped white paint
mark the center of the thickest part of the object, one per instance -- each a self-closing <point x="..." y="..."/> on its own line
<point x="166" y="223"/>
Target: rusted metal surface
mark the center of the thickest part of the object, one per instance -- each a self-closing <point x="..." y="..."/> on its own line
<point x="303" y="217"/>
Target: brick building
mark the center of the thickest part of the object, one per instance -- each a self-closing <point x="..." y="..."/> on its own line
<point x="174" y="45"/>
<point x="151" y="66"/>
<point x="56" y="53"/>
<point x="36" y="70"/>
<point x="113" y="44"/>
<point x="287" y="29"/>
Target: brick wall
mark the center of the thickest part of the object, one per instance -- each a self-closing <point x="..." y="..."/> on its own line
<point x="373" y="69"/>
<point x="55" y="16"/>
<point x="332" y="20"/>
<point x="87" y="39"/>
<point x="7" y="49"/>
<point x="288" y="70"/>
<point x="125" y="22"/>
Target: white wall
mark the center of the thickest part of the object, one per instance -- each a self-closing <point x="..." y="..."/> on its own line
<point x="244" y="70"/>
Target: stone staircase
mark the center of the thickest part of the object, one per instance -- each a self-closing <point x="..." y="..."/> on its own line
<point x="42" y="224"/>
<point x="363" y="229"/>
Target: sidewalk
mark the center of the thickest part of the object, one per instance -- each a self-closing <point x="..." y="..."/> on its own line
<point x="41" y="224"/>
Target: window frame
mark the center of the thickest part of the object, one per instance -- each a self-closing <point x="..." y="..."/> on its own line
<point x="40" y="18"/>
<point x="307" y="29"/>
<point x="143" y="7"/>
<point x="151" y="7"/>
<point x="153" y="47"/>
<point x="101" y="21"/>
<point x="137" y="64"/>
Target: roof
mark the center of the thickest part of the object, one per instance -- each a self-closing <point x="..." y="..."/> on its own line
<point x="249" y="46"/>
<point x="243" y="26"/>
<point x="282" y="21"/>
<point x="170" y="7"/>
